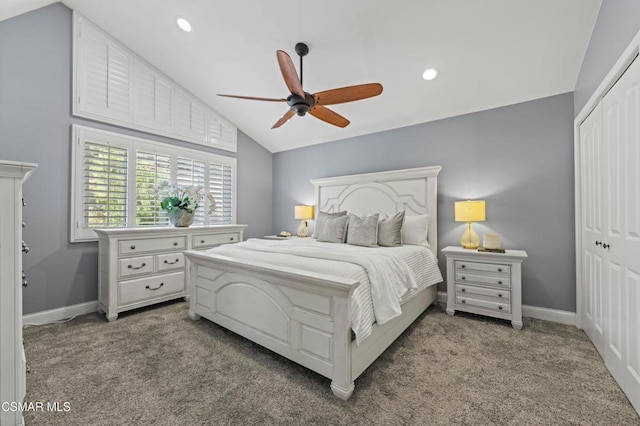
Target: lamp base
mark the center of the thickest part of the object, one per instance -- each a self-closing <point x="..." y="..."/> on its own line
<point x="470" y="239"/>
<point x="303" y="230"/>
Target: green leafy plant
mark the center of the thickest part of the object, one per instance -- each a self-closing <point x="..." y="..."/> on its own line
<point x="182" y="198"/>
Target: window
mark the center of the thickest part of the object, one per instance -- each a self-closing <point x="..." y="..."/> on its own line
<point x="114" y="177"/>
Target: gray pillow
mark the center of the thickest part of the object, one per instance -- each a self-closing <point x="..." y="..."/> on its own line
<point x="363" y="231"/>
<point x="390" y="230"/>
<point x="333" y="229"/>
<point x="320" y="220"/>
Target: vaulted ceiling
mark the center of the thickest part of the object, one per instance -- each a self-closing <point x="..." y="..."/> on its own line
<point x="488" y="53"/>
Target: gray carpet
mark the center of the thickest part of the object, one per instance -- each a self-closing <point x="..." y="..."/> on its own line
<point x="156" y="366"/>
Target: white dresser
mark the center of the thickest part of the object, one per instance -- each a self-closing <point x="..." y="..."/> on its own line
<point x="12" y="359"/>
<point x="143" y="266"/>
<point x="485" y="283"/>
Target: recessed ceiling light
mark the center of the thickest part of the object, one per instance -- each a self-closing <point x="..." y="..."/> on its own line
<point x="184" y="25"/>
<point x="430" y="74"/>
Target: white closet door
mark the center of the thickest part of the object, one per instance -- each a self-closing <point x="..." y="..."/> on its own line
<point x="592" y="226"/>
<point x="152" y="98"/>
<point x="621" y="125"/>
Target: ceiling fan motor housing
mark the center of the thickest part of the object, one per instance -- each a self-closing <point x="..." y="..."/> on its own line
<point x="301" y="105"/>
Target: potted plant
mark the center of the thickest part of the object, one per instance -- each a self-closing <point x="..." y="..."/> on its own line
<point x="181" y="203"/>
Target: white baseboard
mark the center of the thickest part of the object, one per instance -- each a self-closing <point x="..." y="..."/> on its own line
<point x="59" y="314"/>
<point x="554" y="315"/>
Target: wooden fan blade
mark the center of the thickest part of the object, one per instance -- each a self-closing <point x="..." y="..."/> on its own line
<point x="254" y="98"/>
<point x="331" y="117"/>
<point x="289" y="73"/>
<point x="287" y="115"/>
<point x="348" y="94"/>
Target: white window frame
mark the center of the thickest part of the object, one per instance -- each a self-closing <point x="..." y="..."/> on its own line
<point x="80" y="134"/>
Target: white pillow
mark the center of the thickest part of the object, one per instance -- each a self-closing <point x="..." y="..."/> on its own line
<point x="415" y="229"/>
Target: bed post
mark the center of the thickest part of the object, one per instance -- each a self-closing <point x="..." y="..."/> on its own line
<point x="342" y="381"/>
<point x="190" y="271"/>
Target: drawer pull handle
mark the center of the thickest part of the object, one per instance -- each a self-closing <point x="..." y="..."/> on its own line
<point x="463" y="301"/>
<point x="500" y="307"/>
<point x="464" y="278"/>
<point x="138" y="267"/>
<point x="149" y="288"/>
<point x="231" y="239"/>
<point x="463" y="266"/>
<point x="175" y="244"/>
<point x="499" y="294"/>
<point x="133" y="247"/>
<point x="171" y="263"/>
<point x="201" y="241"/>
<point x="464" y="289"/>
<point x="499" y="269"/>
<point x="499" y="282"/>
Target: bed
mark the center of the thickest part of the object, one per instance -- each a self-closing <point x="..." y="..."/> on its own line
<point x="305" y="315"/>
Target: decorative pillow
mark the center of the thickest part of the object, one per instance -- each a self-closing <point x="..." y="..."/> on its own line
<point x="363" y="231"/>
<point x="390" y="230"/>
<point x="415" y="229"/>
<point x="333" y="229"/>
<point x="320" y="220"/>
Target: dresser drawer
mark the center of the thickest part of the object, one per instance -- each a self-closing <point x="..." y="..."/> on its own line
<point x="170" y="261"/>
<point x="492" y="280"/>
<point x="135" y="266"/>
<point x="207" y="240"/>
<point x="474" y="267"/>
<point x="152" y="244"/>
<point x="489" y="305"/>
<point x="485" y="292"/>
<point x="149" y="288"/>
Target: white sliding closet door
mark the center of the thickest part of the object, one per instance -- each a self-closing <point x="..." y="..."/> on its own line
<point x="621" y="239"/>
<point x="592" y="226"/>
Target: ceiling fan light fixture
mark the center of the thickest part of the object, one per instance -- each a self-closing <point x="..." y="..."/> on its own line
<point x="184" y="24"/>
<point x="429" y="74"/>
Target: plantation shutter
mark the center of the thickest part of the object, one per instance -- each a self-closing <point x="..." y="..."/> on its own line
<point x="104" y="185"/>
<point x="221" y="187"/>
<point x="190" y="172"/>
<point x="151" y="170"/>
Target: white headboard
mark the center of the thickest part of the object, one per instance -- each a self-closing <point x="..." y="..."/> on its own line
<point x="413" y="190"/>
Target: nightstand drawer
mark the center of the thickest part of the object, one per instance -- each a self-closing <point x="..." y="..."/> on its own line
<point x="484" y="304"/>
<point x="475" y="291"/>
<point x="151" y="287"/>
<point x="152" y="244"/>
<point x="204" y="240"/>
<point x="170" y="261"/>
<point x="135" y="266"/>
<point x="498" y="281"/>
<point x="474" y="267"/>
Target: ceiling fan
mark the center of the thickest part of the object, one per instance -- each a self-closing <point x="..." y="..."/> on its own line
<point x="301" y="102"/>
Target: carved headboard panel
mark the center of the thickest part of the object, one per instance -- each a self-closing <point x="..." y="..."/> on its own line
<point x="413" y="190"/>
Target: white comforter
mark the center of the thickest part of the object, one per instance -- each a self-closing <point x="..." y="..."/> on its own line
<point x="386" y="274"/>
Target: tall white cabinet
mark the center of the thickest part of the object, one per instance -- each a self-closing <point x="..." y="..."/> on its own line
<point x="609" y="217"/>
<point x="12" y="360"/>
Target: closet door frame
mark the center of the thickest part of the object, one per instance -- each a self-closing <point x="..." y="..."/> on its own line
<point x="623" y="62"/>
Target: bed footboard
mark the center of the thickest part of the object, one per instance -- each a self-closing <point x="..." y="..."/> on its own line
<point x="300" y="315"/>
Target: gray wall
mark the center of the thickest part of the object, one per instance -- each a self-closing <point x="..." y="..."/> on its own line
<point x="618" y="22"/>
<point x="518" y="158"/>
<point x="35" y="126"/>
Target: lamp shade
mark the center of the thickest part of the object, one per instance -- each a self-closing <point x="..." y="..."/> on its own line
<point x="304" y="212"/>
<point x="470" y="211"/>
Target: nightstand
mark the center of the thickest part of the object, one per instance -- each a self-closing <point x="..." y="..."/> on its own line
<point x="485" y="283"/>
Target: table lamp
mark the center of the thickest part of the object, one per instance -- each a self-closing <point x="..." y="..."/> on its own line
<point x="303" y="213"/>
<point x="470" y="211"/>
